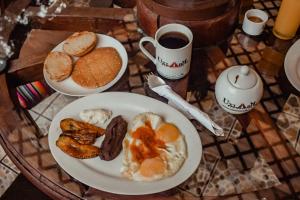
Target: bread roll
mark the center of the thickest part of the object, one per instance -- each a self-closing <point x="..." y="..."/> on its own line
<point x="58" y="65"/>
<point x="80" y="43"/>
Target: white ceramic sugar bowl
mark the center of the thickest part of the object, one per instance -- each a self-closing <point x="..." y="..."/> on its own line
<point x="238" y="89"/>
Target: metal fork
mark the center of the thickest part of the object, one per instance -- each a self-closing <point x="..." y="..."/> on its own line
<point x="153" y="80"/>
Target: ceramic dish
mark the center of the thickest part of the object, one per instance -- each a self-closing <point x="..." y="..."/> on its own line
<point x="292" y="65"/>
<point x="69" y="87"/>
<point x="105" y="175"/>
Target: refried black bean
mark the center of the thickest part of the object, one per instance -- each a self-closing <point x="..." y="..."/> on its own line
<point x="114" y="135"/>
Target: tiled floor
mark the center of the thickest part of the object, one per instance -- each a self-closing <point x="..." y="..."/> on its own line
<point x="8" y="172"/>
<point x="42" y="114"/>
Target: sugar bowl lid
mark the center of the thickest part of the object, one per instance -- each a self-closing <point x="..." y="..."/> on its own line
<point x="242" y="77"/>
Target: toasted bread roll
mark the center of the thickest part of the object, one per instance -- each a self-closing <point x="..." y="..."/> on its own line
<point x="80" y="43"/>
<point x="58" y="65"/>
<point x="97" y="68"/>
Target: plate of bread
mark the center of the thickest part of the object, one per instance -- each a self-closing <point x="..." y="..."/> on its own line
<point x="85" y="63"/>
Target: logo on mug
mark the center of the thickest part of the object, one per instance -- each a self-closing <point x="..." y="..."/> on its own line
<point x="173" y="64"/>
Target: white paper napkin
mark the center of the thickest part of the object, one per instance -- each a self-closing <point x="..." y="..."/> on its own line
<point x="187" y="109"/>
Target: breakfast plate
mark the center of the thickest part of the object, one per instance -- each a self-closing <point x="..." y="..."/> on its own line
<point x="106" y="175"/>
<point x="69" y="87"/>
<point x="292" y="65"/>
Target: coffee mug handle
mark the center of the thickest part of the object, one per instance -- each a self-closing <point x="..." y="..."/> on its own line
<point x="147" y="39"/>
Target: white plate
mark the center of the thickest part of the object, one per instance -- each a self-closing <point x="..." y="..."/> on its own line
<point x="105" y="175"/>
<point x="292" y="65"/>
<point x="69" y="87"/>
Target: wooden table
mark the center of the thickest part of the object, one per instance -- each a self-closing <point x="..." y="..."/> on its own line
<point x="254" y="160"/>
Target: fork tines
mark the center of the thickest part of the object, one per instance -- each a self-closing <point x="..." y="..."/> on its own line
<point x="146" y="76"/>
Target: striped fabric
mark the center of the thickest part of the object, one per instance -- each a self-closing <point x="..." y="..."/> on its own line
<point x="32" y="93"/>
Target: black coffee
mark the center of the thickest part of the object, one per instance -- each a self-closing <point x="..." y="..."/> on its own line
<point x="173" y="40"/>
<point x="255" y="19"/>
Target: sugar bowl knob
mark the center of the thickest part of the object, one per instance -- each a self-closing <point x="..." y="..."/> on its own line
<point x="238" y="89"/>
<point x="245" y="70"/>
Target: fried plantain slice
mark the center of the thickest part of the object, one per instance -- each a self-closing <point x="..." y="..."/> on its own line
<point x="75" y="149"/>
<point x="70" y="124"/>
<point x="81" y="136"/>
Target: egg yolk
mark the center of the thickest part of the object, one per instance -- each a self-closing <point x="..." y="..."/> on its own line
<point x="148" y="144"/>
<point x="167" y="132"/>
<point x="152" y="166"/>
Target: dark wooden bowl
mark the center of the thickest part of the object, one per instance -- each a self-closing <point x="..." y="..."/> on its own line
<point x="211" y="21"/>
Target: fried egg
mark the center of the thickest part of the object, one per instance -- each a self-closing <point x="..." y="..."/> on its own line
<point x="153" y="148"/>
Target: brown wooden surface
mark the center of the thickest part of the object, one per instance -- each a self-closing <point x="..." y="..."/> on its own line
<point x="90" y="12"/>
<point x="189" y="10"/>
<point x="101" y="4"/>
<point x="217" y="28"/>
<point x="78" y="19"/>
<point x="125" y="3"/>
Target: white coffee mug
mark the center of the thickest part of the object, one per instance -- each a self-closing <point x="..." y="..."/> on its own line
<point x="170" y="63"/>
